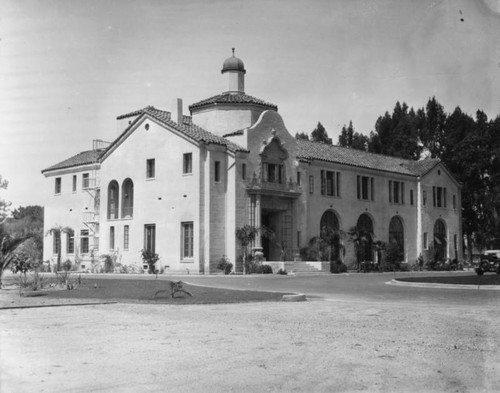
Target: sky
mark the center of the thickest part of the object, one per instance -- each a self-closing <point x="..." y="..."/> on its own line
<point x="68" y="68"/>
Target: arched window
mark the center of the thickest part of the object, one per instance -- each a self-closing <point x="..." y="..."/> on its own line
<point x="329" y="228"/>
<point x="365" y="237"/>
<point x="329" y="219"/>
<point x="127" y="199"/>
<point x="440" y="240"/>
<point x="396" y="234"/>
<point x="113" y="198"/>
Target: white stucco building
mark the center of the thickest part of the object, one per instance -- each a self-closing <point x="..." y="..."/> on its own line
<point x="181" y="186"/>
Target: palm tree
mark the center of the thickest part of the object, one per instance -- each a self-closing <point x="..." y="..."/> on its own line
<point x="57" y="231"/>
<point x="8" y="246"/>
<point x="246" y="234"/>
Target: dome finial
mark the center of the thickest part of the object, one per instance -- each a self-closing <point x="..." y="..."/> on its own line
<point x="233" y="52"/>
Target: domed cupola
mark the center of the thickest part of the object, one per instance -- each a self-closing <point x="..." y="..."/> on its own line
<point x="235" y="70"/>
<point x="233" y="64"/>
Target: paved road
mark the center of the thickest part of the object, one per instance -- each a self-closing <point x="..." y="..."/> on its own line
<point x="363" y="287"/>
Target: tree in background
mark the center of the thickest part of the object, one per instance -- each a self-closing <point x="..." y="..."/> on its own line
<point x="301" y="136"/>
<point x="4" y="205"/>
<point x="397" y="134"/>
<point x="24" y="221"/>
<point x="319" y="134"/>
<point x="8" y="244"/>
<point x="354" y="140"/>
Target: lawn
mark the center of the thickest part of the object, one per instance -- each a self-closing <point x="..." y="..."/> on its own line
<point x="143" y="291"/>
<point x="473" y="279"/>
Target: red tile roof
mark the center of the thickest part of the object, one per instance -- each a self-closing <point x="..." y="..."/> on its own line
<point x="83" y="158"/>
<point x="232" y="98"/>
<point x="188" y="128"/>
<point x="320" y="151"/>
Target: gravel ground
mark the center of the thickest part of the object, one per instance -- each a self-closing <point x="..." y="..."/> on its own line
<point x="314" y="346"/>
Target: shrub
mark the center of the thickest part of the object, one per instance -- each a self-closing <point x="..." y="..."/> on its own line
<point x="109" y="263"/>
<point x="33" y="282"/>
<point x="337" y="267"/>
<point x="66" y="265"/>
<point x="282" y="272"/>
<point x="65" y="279"/>
<point x="264" y="269"/>
<point x="150" y="258"/>
<point x="225" y="265"/>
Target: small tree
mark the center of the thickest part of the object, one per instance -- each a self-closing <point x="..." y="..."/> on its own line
<point x="150" y="258"/>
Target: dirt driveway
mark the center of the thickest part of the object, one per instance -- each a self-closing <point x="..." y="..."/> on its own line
<point x="314" y="346"/>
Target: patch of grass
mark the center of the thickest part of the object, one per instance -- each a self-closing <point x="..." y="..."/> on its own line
<point x="142" y="291"/>
<point x="487" y="279"/>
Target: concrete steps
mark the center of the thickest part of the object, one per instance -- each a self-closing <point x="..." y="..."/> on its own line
<point x="303" y="269"/>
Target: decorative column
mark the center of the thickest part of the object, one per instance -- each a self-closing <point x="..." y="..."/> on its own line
<point x="257" y="249"/>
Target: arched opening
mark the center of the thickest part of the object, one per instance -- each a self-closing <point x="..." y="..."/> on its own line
<point x="440" y="240"/>
<point x="127" y="198"/>
<point x="396" y="234"/>
<point x="330" y="232"/>
<point x="364" y="238"/>
<point x="113" y="198"/>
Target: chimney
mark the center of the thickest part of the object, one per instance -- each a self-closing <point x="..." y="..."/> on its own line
<point x="177" y="111"/>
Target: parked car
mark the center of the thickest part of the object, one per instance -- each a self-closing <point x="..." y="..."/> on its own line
<point x="489" y="262"/>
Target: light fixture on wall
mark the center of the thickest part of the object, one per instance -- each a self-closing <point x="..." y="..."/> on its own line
<point x="146" y="126"/>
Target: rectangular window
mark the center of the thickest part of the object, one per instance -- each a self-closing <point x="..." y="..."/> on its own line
<point x="298" y="178"/>
<point x="126" y="237"/>
<point x="111" y="238"/>
<point x="217" y="171"/>
<point x="323" y="183"/>
<point x="150" y="168"/>
<point x="454" y="201"/>
<point x="426" y="246"/>
<point x="273" y="173"/>
<point x="439" y="196"/>
<point x="70" y="243"/>
<point x="311" y="184"/>
<point x="187" y="163"/>
<point x="330" y="183"/>
<point x="84" y="241"/>
<point x="150" y="238"/>
<point x="74" y="183"/>
<point x="411" y="197"/>
<point x="424" y="198"/>
<point x="455" y="243"/>
<point x="299" y="240"/>
<point x="244" y="171"/>
<point x="396" y="192"/>
<point x="57" y="185"/>
<point x="365" y="185"/>
<point x="187" y="240"/>
<point x="85" y="181"/>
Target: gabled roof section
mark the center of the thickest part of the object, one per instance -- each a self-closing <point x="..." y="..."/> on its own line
<point x="320" y="151"/>
<point x="233" y="98"/>
<point x="189" y="129"/>
<point x="83" y="158"/>
<point x="149" y="109"/>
